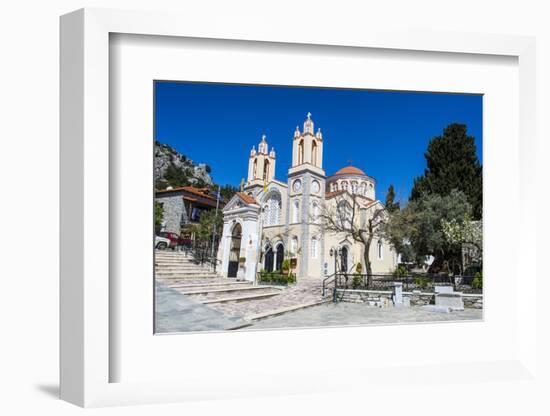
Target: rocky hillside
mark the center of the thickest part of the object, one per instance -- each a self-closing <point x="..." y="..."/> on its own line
<point x="174" y="169"/>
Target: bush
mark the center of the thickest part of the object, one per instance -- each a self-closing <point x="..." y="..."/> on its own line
<point x="358" y="268"/>
<point x="357" y="280"/>
<point x="477" y="282"/>
<point x="400" y="271"/>
<point x="421" y="281"/>
<point x="277" y="277"/>
<point x="286" y="264"/>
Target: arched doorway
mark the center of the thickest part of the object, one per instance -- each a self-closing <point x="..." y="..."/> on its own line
<point x="279" y="257"/>
<point x="234" y="251"/>
<point x="344" y="260"/>
<point x="268" y="260"/>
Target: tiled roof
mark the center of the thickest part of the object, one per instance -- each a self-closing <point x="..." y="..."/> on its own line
<point x="247" y="198"/>
<point x="350" y="170"/>
<point x="202" y="192"/>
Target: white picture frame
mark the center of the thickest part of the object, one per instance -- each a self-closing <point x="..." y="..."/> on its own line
<point x="86" y="304"/>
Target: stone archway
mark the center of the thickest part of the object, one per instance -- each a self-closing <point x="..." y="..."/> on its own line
<point x="234" y="251"/>
<point x="279" y="256"/>
<point x="344" y="253"/>
<point x="269" y="259"/>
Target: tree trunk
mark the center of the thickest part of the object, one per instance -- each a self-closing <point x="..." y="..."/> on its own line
<point x="366" y="258"/>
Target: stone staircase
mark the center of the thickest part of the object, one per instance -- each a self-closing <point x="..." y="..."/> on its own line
<point x="174" y="265"/>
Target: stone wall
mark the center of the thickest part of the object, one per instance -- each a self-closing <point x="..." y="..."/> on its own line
<point x="174" y="212"/>
<point x="383" y="298"/>
<point x="472" y="301"/>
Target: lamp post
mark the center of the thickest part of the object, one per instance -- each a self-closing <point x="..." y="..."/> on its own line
<point x="334" y="252"/>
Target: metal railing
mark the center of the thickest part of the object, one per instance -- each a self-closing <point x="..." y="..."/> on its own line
<point x="202" y="254"/>
<point x="425" y="282"/>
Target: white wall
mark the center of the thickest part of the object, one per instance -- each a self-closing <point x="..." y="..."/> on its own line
<point x="29" y="172"/>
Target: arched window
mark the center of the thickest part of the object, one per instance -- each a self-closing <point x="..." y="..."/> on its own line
<point x="363" y="188"/>
<point x="294" y="245"/>
<point x="314" y="152"/>
<point x="296" y="211"/>
<point x="344" y="185"/>
<point x="314" y="247"/>
<point x="266" y="170"/>
<point x="272" y="209"/>
<point x="380" y="250"/>
<point x="354" y="187"/>
<point x="255" y="174"/>
<point x="301" y="152"/>
<point x="314" y="210"/>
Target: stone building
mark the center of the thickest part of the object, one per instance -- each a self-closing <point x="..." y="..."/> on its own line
<point x="184" y="205"/>
<point x="270" y="220"/>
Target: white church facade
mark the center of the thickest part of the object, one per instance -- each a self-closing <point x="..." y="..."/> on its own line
<point x="271" y="220"/>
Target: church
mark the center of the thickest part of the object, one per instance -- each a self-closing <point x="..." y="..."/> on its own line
<point x="271" y="220"/>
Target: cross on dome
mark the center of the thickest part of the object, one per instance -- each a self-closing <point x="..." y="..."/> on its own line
<point x="308" y="115"/>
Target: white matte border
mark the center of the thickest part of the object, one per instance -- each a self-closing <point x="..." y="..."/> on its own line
<point x="90" y="376"/>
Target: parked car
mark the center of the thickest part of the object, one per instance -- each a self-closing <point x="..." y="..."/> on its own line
<point x="162" y="243"/>
<point x="172" y="237"/>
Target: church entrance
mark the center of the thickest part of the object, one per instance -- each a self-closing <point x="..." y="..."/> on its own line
<point x="234" y="251"/>
<point x="279" y="258"/>
<point x="269" y="257"/>
<point x="344" y="260"/>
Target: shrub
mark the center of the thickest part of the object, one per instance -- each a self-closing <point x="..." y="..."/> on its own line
<point x="400" y="271"/>
<point x="477" y="282"/>
<point x="358" y="268"/>
<point x="357" y="280"/>
<point x="421" y="281"/>
<point x="286" y="264"/>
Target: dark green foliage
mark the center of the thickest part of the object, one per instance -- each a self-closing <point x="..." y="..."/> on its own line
<point x="276" y="278"/>
<point x="159" y="215"/>
<point x="227" y="192"/>
<point x="400" y="271"/>
<point x="177" y="176"/>
<point x="477" y="282"/>
<point x="423" y="282"/>
<point x="357" y="280"/>
<point x="420" y="225"/>
<point x="452" y="164"/>
<point x="391" y="206"/>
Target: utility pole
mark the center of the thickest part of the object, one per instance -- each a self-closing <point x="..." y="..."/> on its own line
<point x="214" y="225"/>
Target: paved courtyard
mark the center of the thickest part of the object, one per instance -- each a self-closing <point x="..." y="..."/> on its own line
<point x="177" y="312"/>
<point x="342" y="314"/>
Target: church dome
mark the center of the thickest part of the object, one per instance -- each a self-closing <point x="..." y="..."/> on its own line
<point x="350" y="170"/>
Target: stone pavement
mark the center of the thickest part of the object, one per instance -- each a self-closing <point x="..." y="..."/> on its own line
<point x="350" y="314"/>
<point x="293" y="295"/>
<point x="175" y="312"/>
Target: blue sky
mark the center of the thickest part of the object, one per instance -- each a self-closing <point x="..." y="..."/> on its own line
<point x="384" y="133"/>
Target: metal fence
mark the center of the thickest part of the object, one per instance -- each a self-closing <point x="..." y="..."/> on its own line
<point x="424" y="282"/>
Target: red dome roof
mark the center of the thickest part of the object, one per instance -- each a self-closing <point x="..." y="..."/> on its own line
<point x="350" y="170"/>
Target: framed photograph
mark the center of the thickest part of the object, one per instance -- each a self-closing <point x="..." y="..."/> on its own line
<point x="236" y="209"/>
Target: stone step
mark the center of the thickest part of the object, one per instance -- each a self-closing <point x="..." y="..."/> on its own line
<point x="179" y="268"/>
<point x="213" y="285"/>
<point x="248" y="289"/>
<point x="240" y="298"/>
<point x="189" y="277"/>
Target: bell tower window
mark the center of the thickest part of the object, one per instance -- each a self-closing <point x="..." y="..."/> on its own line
<point x="314" y="152"/>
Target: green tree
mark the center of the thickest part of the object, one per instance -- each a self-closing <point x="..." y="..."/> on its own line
<point x="391" y="206"/>
<point x="427" y="214"/>
<point x="159" y="216"/>
<point x="209" y="222"/>
<point x="227" y="191"/>
<point x="452" y="163"/>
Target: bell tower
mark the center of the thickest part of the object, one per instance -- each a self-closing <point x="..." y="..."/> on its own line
<point x="307" y="146"/>
<point x="261" y="164"/>
<point x="306" y="184"/>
